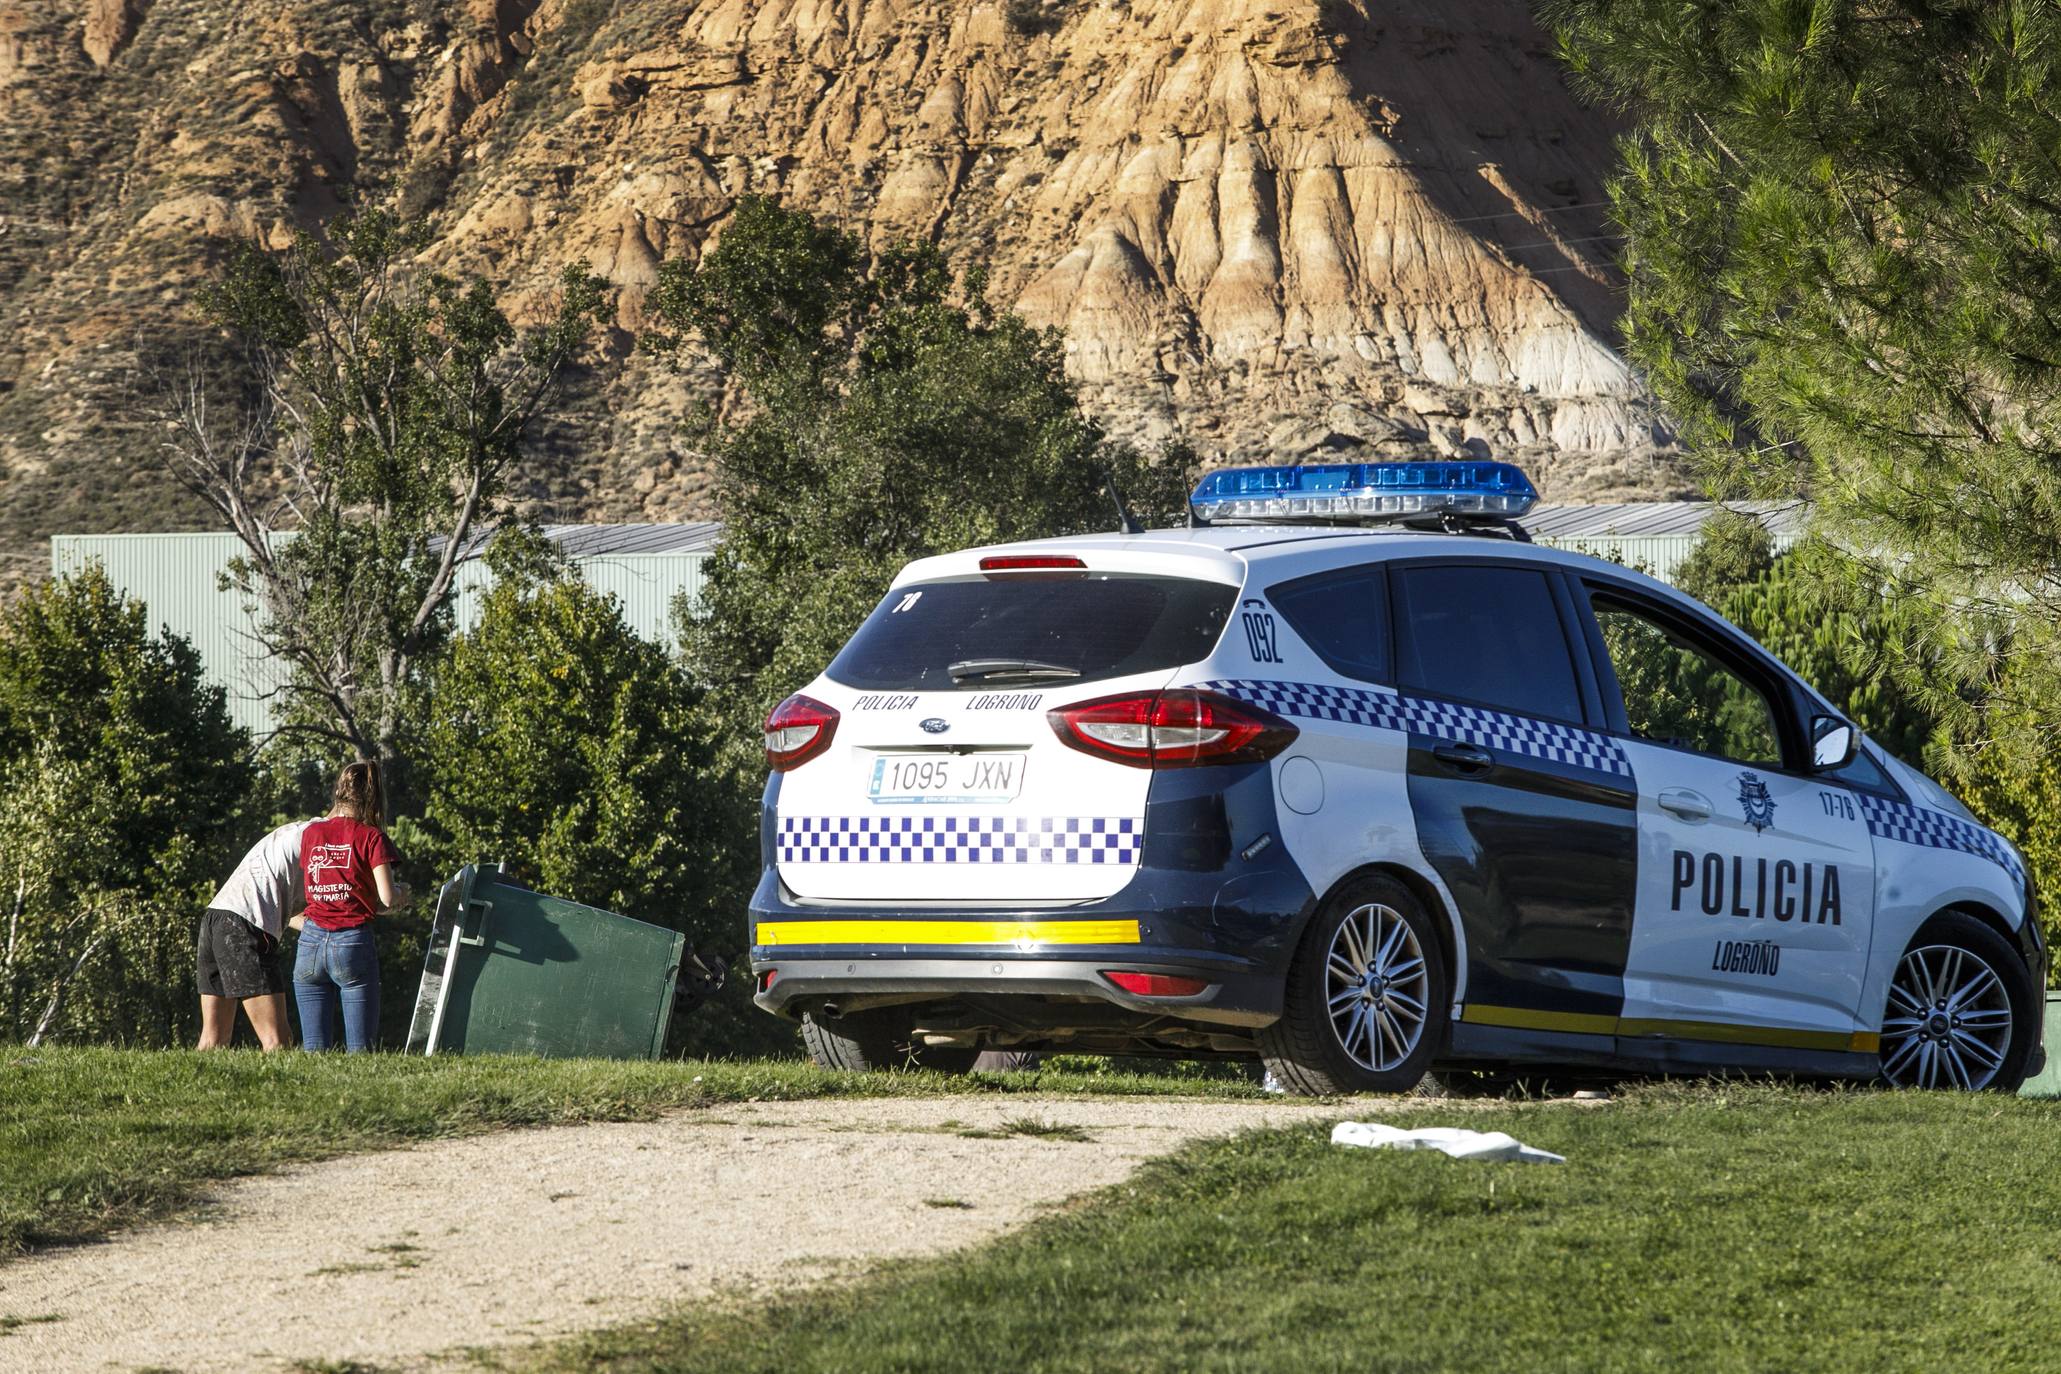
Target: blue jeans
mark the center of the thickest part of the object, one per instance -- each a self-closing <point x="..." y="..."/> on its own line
<point x="337" y="968"/>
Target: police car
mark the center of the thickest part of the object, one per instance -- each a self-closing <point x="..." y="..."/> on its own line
<point x="1350" y="777"/>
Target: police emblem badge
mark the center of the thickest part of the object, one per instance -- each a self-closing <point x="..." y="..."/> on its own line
<point x="1755" y="801"/>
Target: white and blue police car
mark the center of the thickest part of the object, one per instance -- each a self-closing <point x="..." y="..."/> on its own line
<point x="1350" y="777"/>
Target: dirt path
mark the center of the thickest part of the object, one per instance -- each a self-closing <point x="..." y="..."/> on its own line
<point x="398" y="1257"/>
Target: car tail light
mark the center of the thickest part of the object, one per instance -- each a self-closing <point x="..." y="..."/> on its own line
<point x="1180" y="728"/>
<point x="1028" y="562"/>
<point x="1155" y="984"/>
<point x="799" y="729"/>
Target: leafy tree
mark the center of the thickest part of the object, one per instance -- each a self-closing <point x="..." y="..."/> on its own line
<point x="573" y="750"/>
<point x="1810" y="609"/>
<point x="1733" y="550"/>
<point x="378" y="412"/>
<point x="886" y="417"/>
<point x="1843" y="250"/>
<point x="570" y="748"/>
<point x="121" y="786"/>
<point x="1804" y="607"/>
<point x="2020" y="798"/>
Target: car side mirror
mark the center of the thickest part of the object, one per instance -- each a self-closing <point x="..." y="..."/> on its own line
<point x="1833" y="742"/>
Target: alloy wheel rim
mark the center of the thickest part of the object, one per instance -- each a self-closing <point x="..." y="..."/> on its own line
<point x="1948" y="1023"/>
<point x="1377" y="987"/>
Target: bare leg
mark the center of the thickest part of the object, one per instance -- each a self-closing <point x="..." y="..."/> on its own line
<point x="268" y="1018"/>
<point x="217" y="1021"/>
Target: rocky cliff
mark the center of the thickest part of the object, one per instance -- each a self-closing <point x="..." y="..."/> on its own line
<point x="1267" y="227"/>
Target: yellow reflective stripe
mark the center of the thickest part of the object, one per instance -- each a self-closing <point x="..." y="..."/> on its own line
<point x="773" y="933"/>
<point x="1523" y="1018"/>
<point x="1722" y="1032"/>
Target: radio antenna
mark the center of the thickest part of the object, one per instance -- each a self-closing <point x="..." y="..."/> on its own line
<point x="1126" y="522"/>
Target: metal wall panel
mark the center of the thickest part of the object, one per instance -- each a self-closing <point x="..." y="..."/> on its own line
<point x="1656" y="555"/>
<point x="177" y="578"/>
<point x="644" y="584"/>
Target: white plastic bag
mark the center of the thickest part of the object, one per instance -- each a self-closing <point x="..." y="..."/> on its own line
<point x="1450" y="1140"/>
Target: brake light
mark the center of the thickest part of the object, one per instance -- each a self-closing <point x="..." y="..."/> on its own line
<point x="1025" y="562"/>
<point x="1180" y="728"/>
<point x="1155" y="984"/>
<point x="799" y="729"/>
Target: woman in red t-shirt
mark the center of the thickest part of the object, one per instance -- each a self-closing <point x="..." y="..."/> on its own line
<point x="347" y="864"/>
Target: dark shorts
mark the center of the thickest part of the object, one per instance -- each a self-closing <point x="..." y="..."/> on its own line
<point x="236" y="959"/>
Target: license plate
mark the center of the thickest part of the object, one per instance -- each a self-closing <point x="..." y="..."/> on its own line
<point x="944" y="778"/>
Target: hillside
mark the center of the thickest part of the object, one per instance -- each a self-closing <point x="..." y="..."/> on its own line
<point x="1270" y="227"/>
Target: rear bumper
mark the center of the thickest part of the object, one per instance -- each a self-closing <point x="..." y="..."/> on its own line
<point x="850" y="982"/>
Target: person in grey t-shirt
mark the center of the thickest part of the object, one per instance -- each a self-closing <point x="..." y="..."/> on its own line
<point x="237" y="955"/>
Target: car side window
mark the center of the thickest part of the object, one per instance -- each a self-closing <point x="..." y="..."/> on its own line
<point x="1487" y="634"/>
<point x="1677" y="691"/>
<point x="1343" y="615"/>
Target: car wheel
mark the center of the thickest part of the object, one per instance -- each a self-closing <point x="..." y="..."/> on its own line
<point x="1366" y="1002"/>
<point x="871" y="1040"/>
<point x="1960" y="1010"/>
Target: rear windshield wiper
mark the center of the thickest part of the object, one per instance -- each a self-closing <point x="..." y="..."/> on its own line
<point x="1025" y="669"/>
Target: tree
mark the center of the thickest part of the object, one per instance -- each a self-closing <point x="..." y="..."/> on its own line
<point x="2020" y="798"/>
<point x="573" y="750"/>
<point x="1843" y="252"/>
<point x="1732" y="550"/>
<point x="885" y="417"/>
<point x="1803" y="610"/>
<point x="121" y="789"/>
<point x="377" y="414"/>
<point x="570" y="748"/>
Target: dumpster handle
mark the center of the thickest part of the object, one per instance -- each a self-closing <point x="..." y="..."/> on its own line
<point x="484" y="909"/>
<point x="436" y="1018"/>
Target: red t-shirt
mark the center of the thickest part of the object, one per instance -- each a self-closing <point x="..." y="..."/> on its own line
<point x="338" y="854"/>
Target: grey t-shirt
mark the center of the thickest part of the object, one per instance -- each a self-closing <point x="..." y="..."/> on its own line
<point x="266" y="887"/>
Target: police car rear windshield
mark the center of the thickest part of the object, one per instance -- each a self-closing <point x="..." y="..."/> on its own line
<point x="1032" y="629"/>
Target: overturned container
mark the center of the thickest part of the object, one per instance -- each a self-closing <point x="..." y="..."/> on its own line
<point x="511" y="971"/>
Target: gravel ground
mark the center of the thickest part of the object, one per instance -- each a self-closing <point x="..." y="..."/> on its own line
<point x="405" y="1258"/>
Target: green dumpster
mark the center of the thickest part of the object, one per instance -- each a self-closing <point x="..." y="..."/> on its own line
<point x="511" y="971"/>
<point x="2047" y="1082"/>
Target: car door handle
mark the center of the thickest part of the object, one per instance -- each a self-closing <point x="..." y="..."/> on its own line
<point x="1690" y="806"/>
<point x="1463" y="758"/>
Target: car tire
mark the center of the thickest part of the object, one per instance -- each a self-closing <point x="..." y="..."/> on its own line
<point x="1376" y="1043"/>
<point x="867" y="1041"/>
<point x="1962" y="1010"/>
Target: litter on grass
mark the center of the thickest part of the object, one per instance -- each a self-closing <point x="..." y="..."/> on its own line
<point x="1449" y="1140"/>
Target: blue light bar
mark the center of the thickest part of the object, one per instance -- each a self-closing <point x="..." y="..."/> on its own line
<point x="1347" y="491"/>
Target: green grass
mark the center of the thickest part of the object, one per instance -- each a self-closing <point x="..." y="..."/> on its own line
<point x="1693" y="1229"/>
<point x="91" y="1139"/>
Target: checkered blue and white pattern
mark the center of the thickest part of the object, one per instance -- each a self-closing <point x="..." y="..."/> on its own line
<point x="1472" y="724"/>
<point x="934" y="839"/>
<point x="1893" y="820"/>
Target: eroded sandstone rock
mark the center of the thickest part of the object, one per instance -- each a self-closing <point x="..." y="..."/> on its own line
<point x="1267" y="228"/>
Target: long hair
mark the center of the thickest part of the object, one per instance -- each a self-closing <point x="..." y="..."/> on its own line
<point x="358" y="793"/>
